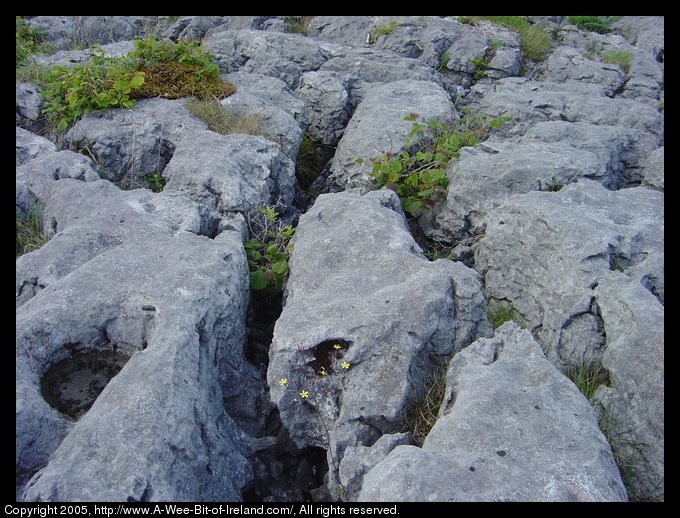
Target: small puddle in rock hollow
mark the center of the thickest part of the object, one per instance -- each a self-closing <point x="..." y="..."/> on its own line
<point x="72" y="385"/>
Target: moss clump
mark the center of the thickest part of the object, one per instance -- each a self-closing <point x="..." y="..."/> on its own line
<point x="174" y="80"/>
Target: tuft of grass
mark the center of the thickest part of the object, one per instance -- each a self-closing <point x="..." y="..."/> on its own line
<point x="588" y="378"/>
<point x="306" y="170"/>
<point x="298" y="24"/>
<point x="535" y="42"/>
<point x="221" y="121"/>
<point x="29" y="231"/>
<point x="32" y="72"/>
<point x="621" y="58"/>
<point x="597" y="24"/>
<point x="382" y="30"/>
<point x="443" y="60"/>
<point x="500" y="313"/>
<point x="423" y="416"/>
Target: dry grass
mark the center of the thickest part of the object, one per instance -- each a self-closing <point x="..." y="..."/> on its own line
<point x="221" y="121"/>
<point x="423" y="416"/>
<point x="29" y="232"/>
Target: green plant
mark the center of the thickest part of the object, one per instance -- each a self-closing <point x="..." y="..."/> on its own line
<point x="481" y="66"/>
<point x="621" y="58"/>
<point x="221" y="121"/>
<point x="268" y="250"/>
<point x="298" y="24"/>
<point x="29" y="231"/>
<point x="419" y="177"/>
<point x="151" y="51"/>
<point x="422" y="417"/>
<point x="32" y="72"/>
<point x="28" y="41"/>
<point x="500" y="313"/>
<point x="306" y="169"/>
<point x="101" y="83"/>
<point x="591" y="23"/>
<point x="534" y="41"/>
<point x="174" y="80"/>
<point x="443" y="60"/>
<point x="382" y="30"/>
<point x="588" y="378"/>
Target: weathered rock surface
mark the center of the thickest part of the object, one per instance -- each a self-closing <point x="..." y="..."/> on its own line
<point x="280" y="114"/>
<point x="556" y="257"/>
<point x="326" y="105"/>
<point x="358" y="279"/>
<point x="129" y="144"/>
<point x="567" y="64"/>
<point x="29" y="103"/>
<point x="511" y="428"/>
<point x="653" y="169"/>
<point x="529" y="102"/>
<point x="378" y="126"/>
<point x="68" y="31"/>
<point x="158" y="431"/>
<point x="277" y="54"/>
<point x="193" y="27"/>
<point x="29" y="145"/>
<point x="645" y="32"/>
<point x="87" y="220"/>
<point x="231" y="172"/>
<point x="69" y="58"/>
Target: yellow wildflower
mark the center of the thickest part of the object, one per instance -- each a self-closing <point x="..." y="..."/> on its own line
<point x="283" y="382"/>
<point x="304" y="394"/>
<point x="344" y="365"/>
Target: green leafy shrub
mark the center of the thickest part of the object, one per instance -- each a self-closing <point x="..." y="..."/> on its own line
<point x="419" y="178"/>
<point x="590" y="23"/>
<point x="268" y="250"/>
<point x="29" y="231"/>
<point x="151" y="51"/>
<point x="28" y="41"/>
<point x="221" y="121"/>
<point x="101" y="83"/>
<point x="535" y="42"/>
<point x="621" y="58"/>
<point x="154" y="68"/>
<point x="382" y="30"/>
<point x="481" y="66"/>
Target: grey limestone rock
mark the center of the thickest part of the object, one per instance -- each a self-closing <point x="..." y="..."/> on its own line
<point x="128" y="144"/>
<point x="29" y="103"/>
<point x="273" y="104"/>
<point x="567" y="64"/>
<point x="652" y="173"/>
<point x="359" y="280"/>
<point x="231" y="172"/>
<point x="69" y="58"/>
<point x="158" y="430"/>
<point x="559" y="259"/>
<point x="29" y="145"/>
<point x="327" y="107"/>
<point x="484" y="176"/>
<point x="67" y="31"/>
<point x="193" y="27"/>
<point x="378" y="126"/>
<point x="87" y="219"/>
<point x="282" y="55"/>
<point x="511" y="428"/>
<point x="645" y="32"/>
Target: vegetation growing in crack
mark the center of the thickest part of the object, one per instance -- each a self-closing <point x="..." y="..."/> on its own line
<point x="419" y="178"/>
<point x="29" y="231"/>
<point x="599" y="24"/>
<point x="268" y="250"/>
<point x="298" y="24"/>
<point x="221" y="121"/>
<point x="588" y="378"/>
<point x="535" y="42"/>
<point x="498" y="313"/>
<point x="154" y="68"/>
<point x="382" y="30"/>
<point x="29" y="42"/>
<point x="621" y="58"/>
<point x="422" y="417"/>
